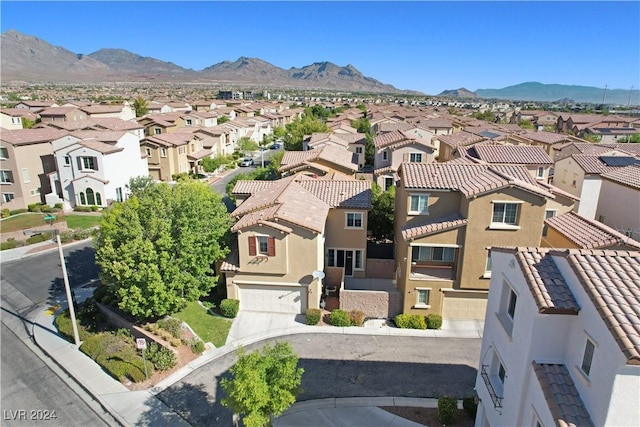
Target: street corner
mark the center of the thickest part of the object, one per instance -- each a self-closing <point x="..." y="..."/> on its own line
<point x="51" y="311"/>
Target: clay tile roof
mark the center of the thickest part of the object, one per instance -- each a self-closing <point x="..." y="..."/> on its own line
<point x="591" y="164"/>
<point x="545" y="137"/>
<point x="460" y="138"/>
<point x="546" y="283"/>
<point x="329" y="153"/>
<point x="100" y="146"/>
<point x="518" y="154"/>
<point x="344" y="193"/>
<point x="250" y="187"/>
<point x="628" y="175"/>
<point x="31" y="136"/>
<point x="390" y="138"/>
<point x="562" y="396"/>
<point x="588" y="233"/>
<point x="469" y="179"/>
<point x="434" y="225"/>
<point x="232" y="263"/>
<point x="611" y="279"/>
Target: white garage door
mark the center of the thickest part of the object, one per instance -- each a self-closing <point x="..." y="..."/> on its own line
<point x="275" y="299"/>
<point x="464" y="308"/>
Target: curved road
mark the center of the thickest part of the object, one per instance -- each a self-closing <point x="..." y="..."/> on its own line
<point x="344" y="366"/>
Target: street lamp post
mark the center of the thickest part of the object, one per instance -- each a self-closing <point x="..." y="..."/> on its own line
<point x="67" y="288"/>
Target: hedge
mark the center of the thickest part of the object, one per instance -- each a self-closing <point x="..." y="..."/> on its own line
<point x="410" y="321"/>
<point x="229" y="307"/>
<point x="339" y="318"/>
<point x="434" y="321"/>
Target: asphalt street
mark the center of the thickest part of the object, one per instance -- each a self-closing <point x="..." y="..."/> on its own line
<point x="344" y="366"/>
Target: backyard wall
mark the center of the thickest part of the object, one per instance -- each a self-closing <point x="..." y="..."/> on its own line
<point x="379" y="304"/>
<point x="381" y="268"/>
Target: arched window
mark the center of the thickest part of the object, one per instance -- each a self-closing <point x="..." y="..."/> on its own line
<point x="98" y="199"/>
<point x="91" y="200"/>
<point x="83" y="200"/>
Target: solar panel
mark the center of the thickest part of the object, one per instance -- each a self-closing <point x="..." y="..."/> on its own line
<point x="488" y="134"/>
<point x="619" y="161"/>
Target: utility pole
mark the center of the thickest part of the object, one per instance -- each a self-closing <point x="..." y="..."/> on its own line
<point x="67" y="288"/>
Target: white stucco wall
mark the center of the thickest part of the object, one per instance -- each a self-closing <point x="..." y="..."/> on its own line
<point x="589" y="195"/>
<point x="619" y="206"/>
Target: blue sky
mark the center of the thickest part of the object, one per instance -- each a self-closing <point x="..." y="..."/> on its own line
<point x="424" y="46"/>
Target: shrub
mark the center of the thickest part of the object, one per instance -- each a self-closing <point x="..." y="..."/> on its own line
<point x="470" y="406"/>
<point x="161" y="357"/>
<point x="197" y="346"/>
<point x="410" y="321"/>
<point x="94" y="208"/>
<point x="63" y="323"/>
<point x="9" y="244"/>
<point x="357" y="317"/>
<point x="58" y="206"/>
<point x="313" y="316"/>
<point x="82" y="209"/>
<point x="447" y="410"/>
<point x="229" y="307"/>
<point x="339" y="318"/>
<point x="66" y="236"/>
<point x="176" y="342"/>
<point x="171" y="325"/>
<point x="18" y="211"/>
<point x="6" y="213"/>
<point x="37" y="238"/>
<point x="402" y="321"/>
<point x="45" y="208"/>
<point x="34" y="207"/>
<point x="434" y="321"/>
<point x="208" y="304"/>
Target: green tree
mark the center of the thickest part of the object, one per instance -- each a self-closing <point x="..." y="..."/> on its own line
<point x="591" y="137"/>
<point x="279" y="132"/>
<point x="362" y="125"/>
<point x="485" y="115"/>
<point x="245" y="144"/>
<point x="635" y="138"/>
<point x="223" y="119"/>
<point x="141" y="106"/>
<point x="138" y="185"/>
<point x="381" y="215"/>
<point x="296" y="130"/>
<point x="369" y="149"/>
<point x="28" y="124"/>
<point x="526" y="124"/>
<point x="155" y="251"/>
<point x="263" y="385"/>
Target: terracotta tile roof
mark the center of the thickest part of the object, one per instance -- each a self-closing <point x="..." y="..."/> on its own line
<point x="438" y="123"/>
<point x="232" y="263"/>
<point x="512" y="154"/>
<point x="588" y="233"/>
<point x="175" y="138"/>
<point x="557" y="191"/>
<point x="399" y="138"/>
<point x="107" y="136"/>
<point x="433" y="225"/>
<point x="101" y="109"/>
<point x="469" y="179"/>
<point x="100" y="146"/>
<point x="390" y="127"/>
<point x="298" y="200"/>
<point x="591" y="164"/>
<point x="547" y="285"/>
<point x="545" y="137"/>
<point x="57" y="111"/>
<point x="629" y="176"/>
<point x="31" y="136"/>
<point x="200" y="154"/>
<point x="562" y="396"/>
<point x="460" y="138"/>
<point x="631" y="148"/>
<point x="329" y="153"/>
<point x="612" y="281"/>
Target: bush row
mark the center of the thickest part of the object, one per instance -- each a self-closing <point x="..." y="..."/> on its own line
<point x="417" y="321"/>
<point x="117" y="355"/>
<point x="448" y="408"/>
<point x="65" y="237"/>
<point x="340" y="317"/>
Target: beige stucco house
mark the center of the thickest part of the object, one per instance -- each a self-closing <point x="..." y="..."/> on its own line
<point x="287" y="232"/>
<point x="393" y="148"/>
<point x="447" y="216"/>
<point x="322" y="161"/>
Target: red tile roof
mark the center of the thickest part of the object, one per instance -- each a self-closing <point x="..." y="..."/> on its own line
<point x="31" y="136"/>
<point x="433" y="225"/>
<point x="562" y="397"/>
<point x="628" y="175"/>
<point x="588" y="233"/>
<point x="329" y="153"/>
<point x="513" y="154"/>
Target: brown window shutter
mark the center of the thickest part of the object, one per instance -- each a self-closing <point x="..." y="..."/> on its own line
<point x="271" y="246"/>
<point x="252" y="245"/>
<point x="95" y="163"/>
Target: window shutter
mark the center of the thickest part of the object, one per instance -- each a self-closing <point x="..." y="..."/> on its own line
<point x="271" y="246"/>
<point x="79" y="163"/>
<point x="405" y="157"/>
<point x="252" y="245"/>
<point x="95" y="163"/>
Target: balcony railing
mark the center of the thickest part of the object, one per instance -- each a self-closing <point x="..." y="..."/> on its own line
<point x="497" y="400"/>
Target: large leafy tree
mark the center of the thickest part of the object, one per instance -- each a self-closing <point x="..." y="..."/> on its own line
<point x="296" y="130"/>
<point x="155" y="251"/>
<point x="381" y="215"/>
<point x="141" y="106"/>
<point x="247" y="145"/>
<point x="263" y="385"/>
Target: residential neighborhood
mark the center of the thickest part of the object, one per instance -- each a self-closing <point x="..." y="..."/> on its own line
<point x="527" y="225"/>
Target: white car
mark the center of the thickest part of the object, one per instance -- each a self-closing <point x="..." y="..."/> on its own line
<point x="246" y="162"/>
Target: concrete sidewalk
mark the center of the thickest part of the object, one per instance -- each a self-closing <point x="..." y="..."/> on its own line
<point x="135" y="408"/>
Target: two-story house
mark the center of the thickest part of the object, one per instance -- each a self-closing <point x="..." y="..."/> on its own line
<point x="354" y="142"/>
<point x="12" y="118"/>
<point x="167" y="154"/>
<point x="447" y="215"/>
<point x="393" y="148"/>
<point x="94" y="167"/>
<point x="26" y="160"/>
<point x="560" y="344"/>
<point x="288" y="231"/>
<point x="319" y="162"/>
<point x="534" y="158"/>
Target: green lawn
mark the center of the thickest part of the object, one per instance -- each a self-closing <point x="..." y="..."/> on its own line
<point x="210" y="328"/>
<point x="36" y="219"/>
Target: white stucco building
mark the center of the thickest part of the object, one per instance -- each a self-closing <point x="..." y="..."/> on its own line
<point x="94" y="167"/>
<point x="561" y="343"/>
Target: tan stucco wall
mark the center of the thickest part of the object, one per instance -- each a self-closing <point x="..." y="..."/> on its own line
<point x="565" y="172"/>
<point x="556" y="240"/>
<point x="32" y="157"/>
<point x="372" y="303"/>
<point x="619" y="207"/>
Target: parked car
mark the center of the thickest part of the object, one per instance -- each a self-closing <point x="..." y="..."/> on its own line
<point x="276" y="146"/>
<point x="246" y="162"/>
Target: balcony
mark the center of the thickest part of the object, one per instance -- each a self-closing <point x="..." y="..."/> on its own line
<point x="497" y="400"/>
<point x="432" y="272"/>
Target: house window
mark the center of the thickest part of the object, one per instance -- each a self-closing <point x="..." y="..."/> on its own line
<point x="422" y="297"/>
<point x="25" y="175"/>
<point x="157" y="131"/>
<point x="505" y="213"/>
<point x="587" y="358"/>
<point x="163" y="152"/>
<point x="181" y="150"/>
<point x="415" y="157"/>
<point x="388" y="182"/>
<point x="119" y="197"/>
<point x="6" y="177"/>
<point x="34" y="192"/>
<point x="4" y="154"/>
<point x="545" y="227"/>
<point x="88" y="163"/>
<point x="189" y="122"/>
<point x="511" y="307"/>
<point x="67" y="160"/>
<point x="540" y="172"/>
<point x="354" y="220"/>
<point x="432" y="253"/>
<point x="507" y="308"/>
<point x="418" y="204"/>
<point x="341" y="257"/>
<point x="7" y="197"/>
<point x="262" y="245"/>
<point x="148" y="150"/>
<point x="358" y="150"/>
<point x="385" y="155"/>
<point x="502" y="373"/>
<point x="487" y="267"/>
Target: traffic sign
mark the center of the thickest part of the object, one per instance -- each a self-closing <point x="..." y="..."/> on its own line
<point x="141" y="343"/>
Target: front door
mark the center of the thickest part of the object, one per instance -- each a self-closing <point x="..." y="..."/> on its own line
<point x="348" y="263"/>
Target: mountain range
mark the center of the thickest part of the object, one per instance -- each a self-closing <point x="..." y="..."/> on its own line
<point x="29" y="59"/>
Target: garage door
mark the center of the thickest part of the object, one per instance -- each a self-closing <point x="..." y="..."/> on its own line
<point x="274" y="299"/>
<point x="464" y="307"/>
